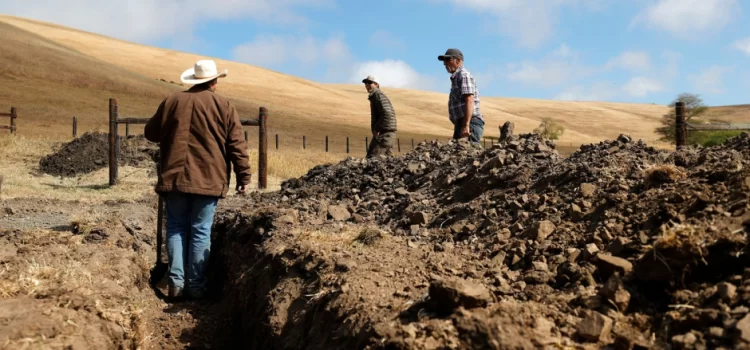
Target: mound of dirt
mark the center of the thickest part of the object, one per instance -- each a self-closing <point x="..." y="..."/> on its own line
<point x="619" y="244"/>
<point x="90" y="152"/>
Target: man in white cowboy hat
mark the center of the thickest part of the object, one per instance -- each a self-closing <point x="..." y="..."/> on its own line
<point x="198" y="133"/>
<point x="382" y="119"/>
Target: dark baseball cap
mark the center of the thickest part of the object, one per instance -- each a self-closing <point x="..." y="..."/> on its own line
<point x="455" y="53"/>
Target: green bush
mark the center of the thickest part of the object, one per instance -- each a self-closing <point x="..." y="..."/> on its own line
<point x="550" y="129"/>
<point x="710" y="138"/>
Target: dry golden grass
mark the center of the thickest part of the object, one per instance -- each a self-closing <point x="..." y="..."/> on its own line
<point x="664" y="173"/>
<point x="730" y="114"/>
<point x="684" y="238"/>
<point x="22" y="179"/>
<point x="133" y="73"/>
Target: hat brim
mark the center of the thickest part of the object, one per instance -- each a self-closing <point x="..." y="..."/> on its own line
<point x="188" y="77"/>
<point x="368" y="80"/>
<point x="446" y="57"/>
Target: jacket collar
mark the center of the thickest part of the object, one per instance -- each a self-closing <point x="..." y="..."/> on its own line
<point x="371" y="93"/>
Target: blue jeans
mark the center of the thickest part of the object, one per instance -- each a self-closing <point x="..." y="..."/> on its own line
<point x="476" y="129"/>
<point x="189" y="221"/>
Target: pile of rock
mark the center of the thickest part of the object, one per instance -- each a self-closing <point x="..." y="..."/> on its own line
<point x="650" y="240"/>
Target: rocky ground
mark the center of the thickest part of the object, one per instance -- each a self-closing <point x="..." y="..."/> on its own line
<point x="618" y="245"/>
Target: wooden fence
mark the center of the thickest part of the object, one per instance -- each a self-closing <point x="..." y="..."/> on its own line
<point x="12" y="115"/>
<point x="114" y="141"/>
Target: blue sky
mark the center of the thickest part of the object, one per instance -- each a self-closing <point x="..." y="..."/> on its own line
<point x="631" y="51"/>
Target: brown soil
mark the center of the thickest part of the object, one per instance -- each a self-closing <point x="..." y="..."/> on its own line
<point x="618" y="246"/>
<point x="77" y="278"/>
<point x="90" y="152"/>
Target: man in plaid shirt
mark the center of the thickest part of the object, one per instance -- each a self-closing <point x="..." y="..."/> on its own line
<point x="463" y="100"/>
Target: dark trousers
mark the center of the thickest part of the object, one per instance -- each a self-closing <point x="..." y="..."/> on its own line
<point x="382" y="144"/>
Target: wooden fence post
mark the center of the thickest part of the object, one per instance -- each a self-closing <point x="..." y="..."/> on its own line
<point x="326" y="143"/>
<point x="127" y="130"/>
<point x="262" y="149"/>
<point x="398" y="142"/>
<point x="75" y="126"/>
<point x="680" y="127"/>
<point x="347" y="145"/>
<point x="303" y="142"/>
<point x="366" y="144"/>
<point x="277" y="141"/>
<point x="245" y="135"/>
<point x="13" y="116"/>
<point x="112" y="141"/>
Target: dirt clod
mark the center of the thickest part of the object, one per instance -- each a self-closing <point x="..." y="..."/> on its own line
<point x="449" y="294"/>
<point x="595" y="327"/>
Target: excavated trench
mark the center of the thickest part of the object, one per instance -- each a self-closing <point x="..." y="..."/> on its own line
<point x="505" y="248"/>
<point x="271" y="292"/>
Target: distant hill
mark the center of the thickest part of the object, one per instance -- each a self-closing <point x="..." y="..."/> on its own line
<point x="57" y="72"/>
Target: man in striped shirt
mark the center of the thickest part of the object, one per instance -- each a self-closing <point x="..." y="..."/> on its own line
<point x="463" y="101"/>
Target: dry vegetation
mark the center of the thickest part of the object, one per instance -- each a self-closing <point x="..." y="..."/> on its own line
<point x="298" y="107"/>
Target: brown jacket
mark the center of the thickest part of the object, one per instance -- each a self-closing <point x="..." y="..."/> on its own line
<point x="198" y="133"/>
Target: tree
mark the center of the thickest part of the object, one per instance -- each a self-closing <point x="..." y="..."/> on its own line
<point x="693" y="107"/>
<point x="550" y="129"/>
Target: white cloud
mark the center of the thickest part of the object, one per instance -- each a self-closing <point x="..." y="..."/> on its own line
<point x="529" y="22"/>
<point x="386" y="40"/>
<point x="688" y="18"/>
<point x="327" y="60"/>
<point x="631" y="60"/>
<point x="392" y="73"/>
<point x="598" y="91"/>
<point x="710" y="80"/>
<point x="560" y="67"/>
<point x="277" y="50"/>
<point x="642" y="86"/>
<point x="151" y="20"/>
<point x="742" y="45"/>
<point x="564" y="68"/>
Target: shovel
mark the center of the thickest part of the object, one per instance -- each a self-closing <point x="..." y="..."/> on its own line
<point x="159" y="271"/>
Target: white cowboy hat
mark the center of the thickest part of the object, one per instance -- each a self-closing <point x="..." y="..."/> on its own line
<point x="203" y="71"/>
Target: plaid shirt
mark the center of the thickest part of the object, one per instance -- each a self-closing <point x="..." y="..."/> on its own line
<point x="462" y="83"/>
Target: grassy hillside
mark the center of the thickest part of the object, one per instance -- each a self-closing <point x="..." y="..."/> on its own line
<point x="58" y="72"/>
<point x="731" y="114"/>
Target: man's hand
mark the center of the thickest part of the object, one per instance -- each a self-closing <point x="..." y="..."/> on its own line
<point x="241" y="189"/>
<point x="465" y="131"/>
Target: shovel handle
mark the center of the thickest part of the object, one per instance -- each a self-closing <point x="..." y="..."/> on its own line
<point x="159" y="226"/>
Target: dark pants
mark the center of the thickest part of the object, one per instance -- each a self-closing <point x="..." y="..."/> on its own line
<point x="382" y="144"/>
<point x="476" y="129"/>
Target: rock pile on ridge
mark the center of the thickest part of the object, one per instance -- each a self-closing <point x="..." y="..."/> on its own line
<point x="639" y="247"/>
